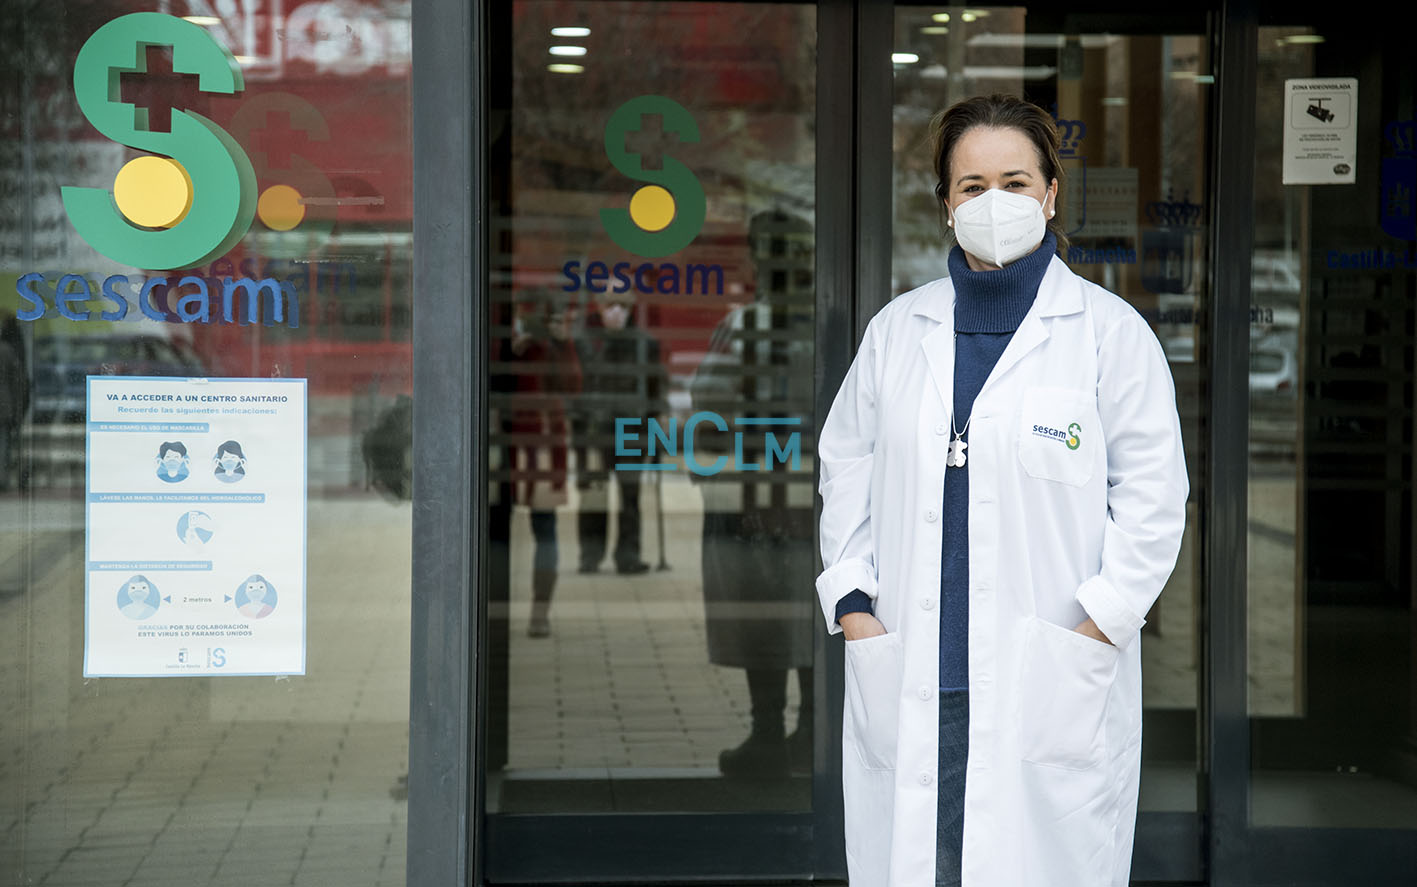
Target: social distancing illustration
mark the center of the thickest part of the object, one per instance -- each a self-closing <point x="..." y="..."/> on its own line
<point x="197" y="486"/>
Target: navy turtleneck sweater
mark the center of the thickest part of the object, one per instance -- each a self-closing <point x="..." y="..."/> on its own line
<point x="989" y="306"/>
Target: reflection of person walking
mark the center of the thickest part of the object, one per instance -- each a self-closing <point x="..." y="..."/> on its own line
<point x="622" y="378"/>
<point x="549" y="372"/>
<point x="758" y="525"/>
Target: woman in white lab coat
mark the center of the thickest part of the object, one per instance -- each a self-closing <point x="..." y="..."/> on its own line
<point x="1003" y="499"/>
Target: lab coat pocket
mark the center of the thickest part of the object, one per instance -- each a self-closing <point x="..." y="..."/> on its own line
<point x="874" y="670"/>
<point x="1058" y="434"/>
<point x="1067" y="677"/>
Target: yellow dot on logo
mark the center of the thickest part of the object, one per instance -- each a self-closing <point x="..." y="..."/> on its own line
<point x="153" y="191"/>
<point x="279" y="208"/>
<point x="652" y="208"/>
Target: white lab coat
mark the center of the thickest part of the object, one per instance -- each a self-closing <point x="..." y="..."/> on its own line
<point x="1077" y="492"/>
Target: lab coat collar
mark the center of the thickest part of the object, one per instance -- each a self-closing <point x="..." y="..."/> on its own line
<point x="1060" y="293"/>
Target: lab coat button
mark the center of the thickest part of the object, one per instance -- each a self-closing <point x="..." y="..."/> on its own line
<point x="927" y="603"/>
<point x="932" y="515"/>
<point x="941" y="428"/>
<point x="926" y="779"/>
<point x="926" y="692"/>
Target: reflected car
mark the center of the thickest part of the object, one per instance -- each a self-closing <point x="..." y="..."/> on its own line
<point x="59" y="392"/>
<point x="62" y="364"/>
<point x="1274" y="368"/>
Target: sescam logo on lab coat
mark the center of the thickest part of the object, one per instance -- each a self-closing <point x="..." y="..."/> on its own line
<point x="1072" y="438"/>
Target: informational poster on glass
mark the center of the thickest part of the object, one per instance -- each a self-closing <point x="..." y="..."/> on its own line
<point x="195" y="527"/>
<point x="1321" y="131"/>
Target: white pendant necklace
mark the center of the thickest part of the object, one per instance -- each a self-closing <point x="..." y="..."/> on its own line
<point x="956" y="457"/>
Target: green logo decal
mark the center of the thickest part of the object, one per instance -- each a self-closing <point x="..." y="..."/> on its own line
<point x="668" y="213"/>
<point x="1074" y="436"/>
<point x="193" y="197"/>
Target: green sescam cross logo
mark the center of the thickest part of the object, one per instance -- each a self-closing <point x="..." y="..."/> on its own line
<point x="666" y="214"/>
<point x="193" y="196"/>
<point x="1074" y="436"/>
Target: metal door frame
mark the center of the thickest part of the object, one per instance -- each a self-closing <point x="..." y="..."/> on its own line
<point x="1239" y="852"/>
<point x="447" y="831"/>
<point x="449" y="378"/>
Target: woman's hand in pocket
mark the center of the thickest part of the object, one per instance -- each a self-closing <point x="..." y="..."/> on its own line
<point x="859" y="626"/>
<point x="1087" y="627"/>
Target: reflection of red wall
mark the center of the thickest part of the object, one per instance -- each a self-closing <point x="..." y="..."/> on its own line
<point x="737" y="56"/>
<point x="367" y="157"/>
<point x="746" y="72"/>
<point x="366" y="163"/>
<point x="337" y="350"/>
<point x="368" y="111"/>
<point x="368" y="153"/>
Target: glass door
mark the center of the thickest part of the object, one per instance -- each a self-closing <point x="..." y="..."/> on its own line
<point x="1332" y="634"/>
<point x="652" y="629"/>
<point x="205" y="386"/>
<point x="1132" y="98"/>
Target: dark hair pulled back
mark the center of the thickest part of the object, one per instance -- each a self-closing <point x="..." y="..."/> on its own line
<point x="999" y="112"/>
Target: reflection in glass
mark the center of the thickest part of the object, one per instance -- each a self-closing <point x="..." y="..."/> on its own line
<point x="543" y="376"/>
<point x="623" y="377"/>
<point x="757" y="375"/>
<point x="654" y="225"/>
<point x="1331" y="634"/>
<point x="213" y="780"/>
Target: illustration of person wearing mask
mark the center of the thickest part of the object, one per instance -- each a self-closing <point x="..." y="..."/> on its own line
<point x="194" y="528"/>
<point x="255" y="598"/>
<point x="230" y="463"/>
<point x="172" y="462"/>
<point x="138" y="598"/>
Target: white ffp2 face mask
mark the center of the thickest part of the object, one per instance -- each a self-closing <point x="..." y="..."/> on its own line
<point x="999" y="226"/>
<point x="614" y="316"/>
